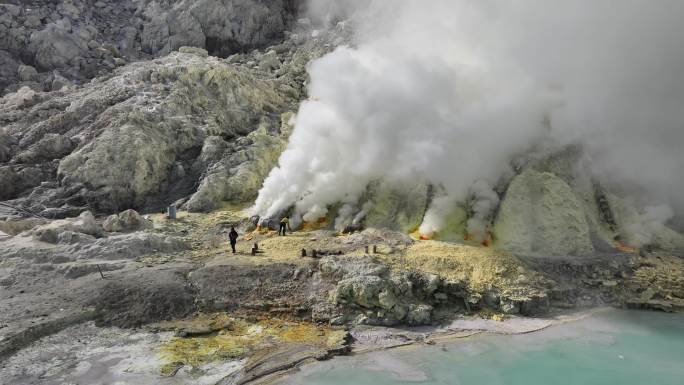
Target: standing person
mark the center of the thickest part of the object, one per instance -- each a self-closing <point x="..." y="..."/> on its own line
<point x="233" y="236"/>
<point x="284" y="225"/>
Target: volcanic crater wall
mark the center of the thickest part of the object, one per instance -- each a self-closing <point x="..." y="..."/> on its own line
<point x="44" y="42"/>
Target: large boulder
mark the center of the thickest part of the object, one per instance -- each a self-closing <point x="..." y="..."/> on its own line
<point x="56" y="47"/>
<point x="50" y="232"/>
<point x="27" y="73"/>
<point x="540" y="214"/>
<point x="125" y="221"/>
<point x="130" y="246"/>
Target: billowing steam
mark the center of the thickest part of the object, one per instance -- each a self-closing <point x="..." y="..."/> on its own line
<point x="448" y="90"/>
<point x="484" y="201"/>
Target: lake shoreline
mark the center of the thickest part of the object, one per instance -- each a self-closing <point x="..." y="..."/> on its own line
<point x="597" y="346"/>
<point x="370" y="339"/>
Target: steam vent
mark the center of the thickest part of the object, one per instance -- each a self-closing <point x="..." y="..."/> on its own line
<point x="287" y="191"/>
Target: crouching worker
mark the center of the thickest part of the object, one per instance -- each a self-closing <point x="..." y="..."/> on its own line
<point x="233" y="236"/>
<point x="284" y="225"/>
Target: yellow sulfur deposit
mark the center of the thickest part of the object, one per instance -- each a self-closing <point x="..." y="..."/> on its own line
<point x="240" y="339"/>
<point x="480" y="267"/>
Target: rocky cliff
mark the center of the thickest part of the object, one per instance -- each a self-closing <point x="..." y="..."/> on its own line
<point x="185" y="126"/>
<point x="44" y="43"/>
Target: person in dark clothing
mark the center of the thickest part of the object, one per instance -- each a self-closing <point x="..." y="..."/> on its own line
<point x="233" y="236"/>
<point x="284" y="225"/>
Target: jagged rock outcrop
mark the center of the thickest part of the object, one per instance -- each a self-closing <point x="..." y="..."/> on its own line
<point x="82" y="39"/>
<point x="222" y="27"/>
<point x="153" y="132"/>
<point x="151" y="149"/>
<point x="237" y="176"/>
<point x="378" y="295"/>
<point x="128" y="220"/>
<point x="9" y="69"/>
<point x="84" y="224"/>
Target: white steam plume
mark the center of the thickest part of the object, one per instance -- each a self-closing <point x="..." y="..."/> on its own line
<point x="448" y="90"/>
<point x="434" y="217"/>
<point x="645" y="226"/>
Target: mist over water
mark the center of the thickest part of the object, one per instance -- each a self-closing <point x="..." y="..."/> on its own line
<point x="447" y="91"/>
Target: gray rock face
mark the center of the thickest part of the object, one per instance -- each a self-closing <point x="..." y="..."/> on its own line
<point x="238" y="176"/>
<point x="5" y="145"/>
<point x="8" y="70"/>
<point x="49" y="147"/>
<point x="128" y="154"/>
<point x="84" y="40"/>
<point x="188" y="127"/>
<point x="222" y="27"/>
<point x="56" y="47"/>
<point x="381" y="296"/>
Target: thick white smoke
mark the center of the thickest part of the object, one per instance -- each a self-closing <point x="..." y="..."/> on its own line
<point x="448" y="90"/>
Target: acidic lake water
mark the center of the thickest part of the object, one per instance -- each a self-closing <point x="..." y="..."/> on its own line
<point x="611" y="348"/>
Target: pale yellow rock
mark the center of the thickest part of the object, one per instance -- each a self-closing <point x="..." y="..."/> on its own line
<point x="397" y="207"/>
<point x="541" y="214"/>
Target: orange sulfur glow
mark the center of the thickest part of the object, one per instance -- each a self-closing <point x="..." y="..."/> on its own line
<point x="315" y="225"/>
<point x="424" y="237"/>
<point x="625" y="248"/>
<point x="486" y="242"/>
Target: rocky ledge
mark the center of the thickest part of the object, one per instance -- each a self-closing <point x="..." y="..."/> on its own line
<point x="130" y="271"/>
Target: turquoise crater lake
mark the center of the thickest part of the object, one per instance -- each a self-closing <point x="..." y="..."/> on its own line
<point x="609" y="348"/>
